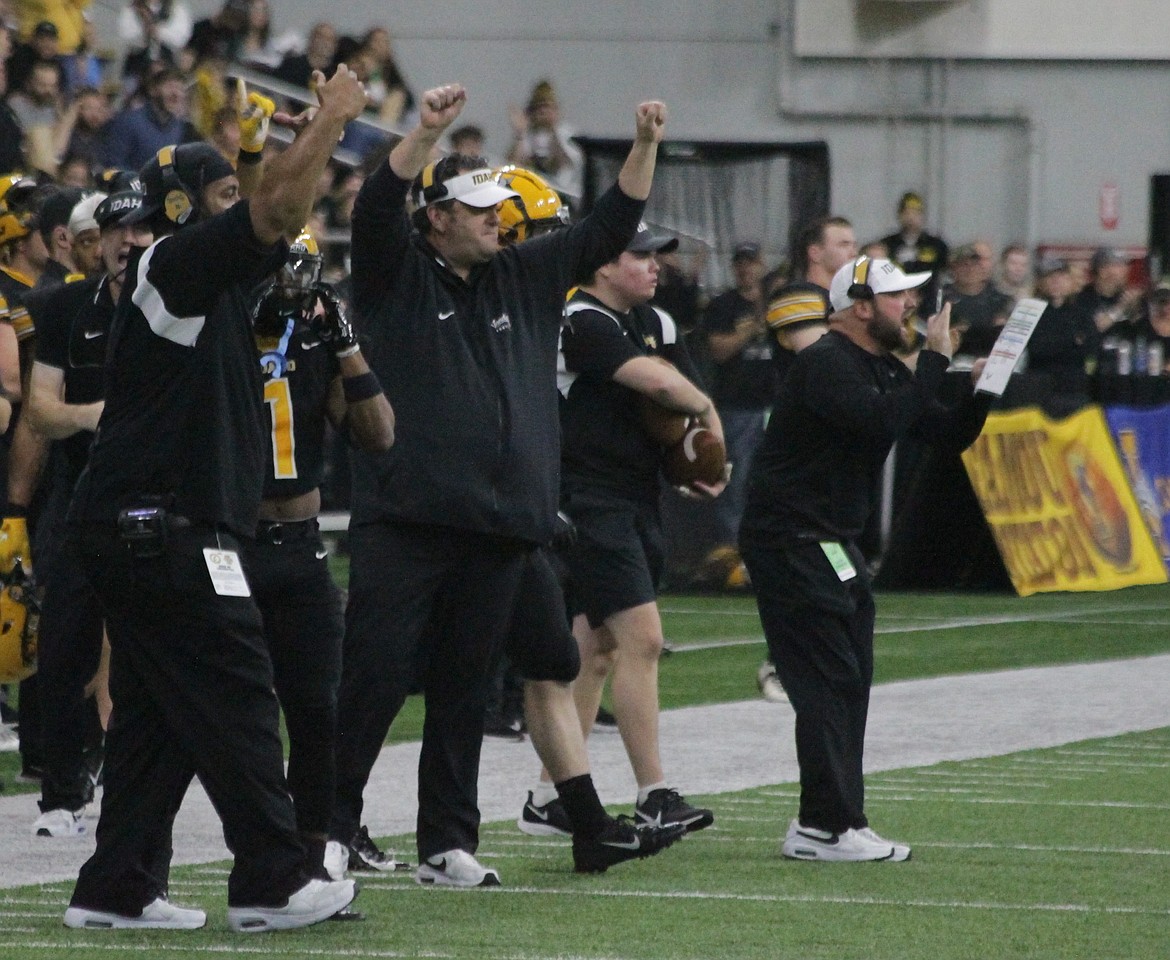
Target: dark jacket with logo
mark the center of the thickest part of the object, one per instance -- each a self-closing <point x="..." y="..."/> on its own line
<point x="469" y="366"/>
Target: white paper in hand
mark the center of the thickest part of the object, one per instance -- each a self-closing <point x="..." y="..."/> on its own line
<point x="1012" y="340"/>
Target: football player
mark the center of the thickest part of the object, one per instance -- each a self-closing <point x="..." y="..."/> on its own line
<point x="314" y="375"/>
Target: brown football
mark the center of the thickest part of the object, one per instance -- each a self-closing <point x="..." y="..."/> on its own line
<point x="664" y="426"/>
<point x="697" y="456"/>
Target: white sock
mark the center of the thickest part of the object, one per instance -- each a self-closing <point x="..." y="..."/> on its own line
<point x="543" y="793"/>
<point x="644" y="792"/>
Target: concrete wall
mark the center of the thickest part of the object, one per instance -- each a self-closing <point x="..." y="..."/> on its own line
<point x="1003" y="148"/>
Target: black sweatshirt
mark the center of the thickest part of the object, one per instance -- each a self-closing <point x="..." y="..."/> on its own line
<point x="469" y="366"/>
<point x="837" y="414"/>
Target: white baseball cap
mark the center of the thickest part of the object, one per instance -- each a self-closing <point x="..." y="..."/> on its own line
<point x="880" y="276"/>
<point x="82" y="216"/>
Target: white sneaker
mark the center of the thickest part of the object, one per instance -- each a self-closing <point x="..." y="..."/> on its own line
<point x="159" y="914"/>
<point x="901" y="850"/>
<point x="317" y="900"/>
<point x="456" y="868"/>
<point x="60" y="823"/>
<point x="769" y="683"/>
<point x="808" y="843"/>
<point x="336" y="859"/>
<point x="9" y="739"/>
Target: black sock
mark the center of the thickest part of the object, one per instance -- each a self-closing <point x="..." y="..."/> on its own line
<point x="315" y="857"/>
<point x="582" y="805"/>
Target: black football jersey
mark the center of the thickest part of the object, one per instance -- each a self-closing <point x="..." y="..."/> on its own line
<point x="297" y="377"/>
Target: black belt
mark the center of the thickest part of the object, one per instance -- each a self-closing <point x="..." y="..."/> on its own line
<point x="277" y="532"/>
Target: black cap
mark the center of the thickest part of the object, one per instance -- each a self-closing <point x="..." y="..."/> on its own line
<point x="56" y="208"/>
<point x="1105" y="256"/>
<point x="748" y="250"/>
<point x="194" y="165"/>
<point x="1050" y="265"/>
<point x="117" y="208"/>
<point x="646" y="240"/>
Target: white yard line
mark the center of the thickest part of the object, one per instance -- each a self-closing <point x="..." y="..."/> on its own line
<point x="718" y="749"/>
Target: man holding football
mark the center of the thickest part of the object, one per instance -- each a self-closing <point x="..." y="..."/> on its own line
<point x="612" y="346"/>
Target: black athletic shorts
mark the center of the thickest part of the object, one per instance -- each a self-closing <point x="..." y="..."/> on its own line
<point x="540" y="644"/>
<point x="618" y="558"/>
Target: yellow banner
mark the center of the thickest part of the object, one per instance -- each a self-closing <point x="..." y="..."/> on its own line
<point x="1059" y="504"/>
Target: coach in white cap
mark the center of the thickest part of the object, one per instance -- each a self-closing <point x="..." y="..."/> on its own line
<point x="844" y="403"/>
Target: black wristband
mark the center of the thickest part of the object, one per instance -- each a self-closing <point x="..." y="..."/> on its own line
<point x="249" y="157"/>
<point x="15" y="510"/>
<point x="362" y="387"/>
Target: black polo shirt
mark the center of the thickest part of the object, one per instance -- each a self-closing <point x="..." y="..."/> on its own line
<point x="184" y="420"/>
<point x="604" y="446"/>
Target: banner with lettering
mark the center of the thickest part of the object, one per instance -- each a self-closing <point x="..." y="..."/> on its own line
<point x="1059" y="503"/>
<point x="1143" y="440"/>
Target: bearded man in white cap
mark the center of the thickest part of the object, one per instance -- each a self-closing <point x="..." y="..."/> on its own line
<point x="844" y="403"/>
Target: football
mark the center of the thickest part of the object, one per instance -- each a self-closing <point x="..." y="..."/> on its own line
<point x="663" y="425"/>
<point x="697" y="456"/>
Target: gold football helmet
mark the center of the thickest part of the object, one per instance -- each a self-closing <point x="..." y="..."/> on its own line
<point x="537" y="210"/>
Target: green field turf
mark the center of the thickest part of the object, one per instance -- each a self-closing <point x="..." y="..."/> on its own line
<point x="918" y="635"/>
<point x="1056" y="854"/>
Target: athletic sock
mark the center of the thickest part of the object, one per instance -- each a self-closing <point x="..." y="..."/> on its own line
<point x="644" y="792"/>
<point x="582" y="805"/>
<point x="544" y="793"/>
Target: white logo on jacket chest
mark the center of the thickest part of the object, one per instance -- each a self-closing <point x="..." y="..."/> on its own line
<point x="502" y="323"/>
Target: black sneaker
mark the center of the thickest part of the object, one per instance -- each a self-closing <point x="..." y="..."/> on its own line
<point x="549" y="820"/>
<point x="665" y="806"/>
<point x="605" y="722"/>
<point x="504" y="729"/>
<point x="620" y="841"/>
<point x="365" y="855"/>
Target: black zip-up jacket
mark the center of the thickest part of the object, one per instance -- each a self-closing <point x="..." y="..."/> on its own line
<point x="469" y="366"/>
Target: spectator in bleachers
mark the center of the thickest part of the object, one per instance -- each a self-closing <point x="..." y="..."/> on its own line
<point x="44" y="45"/>
<point x="66" y="16"/>
<point x="977" y="307"/>
<point x="218" y="37"/>
<point x="745" y="378"/>
<point x="297" y="68"/>
<point x="84" y="67"/>
<point x="543" y="143"/>
<point x="82" y="131"/>
<point x="154" y="31"/>
<point x="468" y="140"/>
<point x="679" y="292"/>
<point x="37" y="106"/>
<point x="387" y="85"/>
<point x="915" y="250"/>
<point x="11" y="145"/>
<point x="1105" y="297"/>
<point x="1014" y="276"/>
<point x="1065" y="336"/>
<point x="257" y="48"/>
<point x="1150" y="324"/>
<point x="137" y="134"/>
<point x="74" y="171"/>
